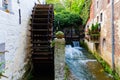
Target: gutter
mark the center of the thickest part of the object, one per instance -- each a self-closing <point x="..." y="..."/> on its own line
<point x="112" y="34"/>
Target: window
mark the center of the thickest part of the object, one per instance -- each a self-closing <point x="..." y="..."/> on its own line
<point x="101" y="17"/>
<point x="5" y="5"/>
<point x="99" y="28"/>
<point x="97" y="4"/>
<point x="104" y="43"/>
<point x="0" y="4"/>
<point x="97" y="18"/>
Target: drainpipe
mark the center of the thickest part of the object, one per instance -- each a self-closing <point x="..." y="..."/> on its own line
<point x="19" y="10"/>
<point x="112" y="35"/>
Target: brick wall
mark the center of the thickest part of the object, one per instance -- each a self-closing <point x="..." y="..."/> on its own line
<point x="117" y="35"/>
<point x="106" y="49"/>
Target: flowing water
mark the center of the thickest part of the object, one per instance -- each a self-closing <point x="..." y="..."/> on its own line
<point x="83" y="65"/>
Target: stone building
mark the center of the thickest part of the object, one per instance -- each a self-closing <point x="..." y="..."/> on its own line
<point x="14" y="41"/>
<point x="100" y="12"/>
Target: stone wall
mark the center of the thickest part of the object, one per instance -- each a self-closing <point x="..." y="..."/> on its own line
<point x="14" y="35"/>
<point x="59" y="58"/>
<point x="105" y="45"/>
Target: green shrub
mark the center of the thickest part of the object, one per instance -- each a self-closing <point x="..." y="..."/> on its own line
<point x="65" y="19"/>
<point x="59" y="34"/>
<point x="52" y="43"/>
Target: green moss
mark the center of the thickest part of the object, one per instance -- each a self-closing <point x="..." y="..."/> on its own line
<point x="95" y="35"/>
<point x="67" y="72"/>
<point x="105" y="65"/>
<point x="52" y="43"/>
<point x="2" y="71"/>
<point x="83" y="44"/>
<point x="28" y="74"/>
<point x="59" y="34"/>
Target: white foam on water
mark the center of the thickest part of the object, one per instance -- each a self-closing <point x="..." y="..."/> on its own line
<point x="73" y="52"/>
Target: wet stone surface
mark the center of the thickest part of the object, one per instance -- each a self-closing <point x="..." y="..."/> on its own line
<point x="83" y="65"/>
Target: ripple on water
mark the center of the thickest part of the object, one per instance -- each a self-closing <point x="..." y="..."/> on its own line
<point x="83" y="65"/>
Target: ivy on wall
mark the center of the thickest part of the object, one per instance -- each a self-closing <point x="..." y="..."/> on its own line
<point x="85" y="11"/>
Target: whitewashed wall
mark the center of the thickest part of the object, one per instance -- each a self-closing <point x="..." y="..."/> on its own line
<point x="15" y="37"/>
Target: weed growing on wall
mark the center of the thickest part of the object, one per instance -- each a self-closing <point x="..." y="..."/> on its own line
<point x="105" y="65"/>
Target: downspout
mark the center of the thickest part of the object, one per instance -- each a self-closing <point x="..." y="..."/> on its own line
<point x="19" y="10"/>
<point x="112" y="35"/>
<point x="19" y="16"/>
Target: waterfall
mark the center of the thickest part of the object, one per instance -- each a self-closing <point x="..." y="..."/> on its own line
<point x="76" y="44"/>
<point x="76" y="60"/>
<point x="73" y="53"/>
<point x="82" y="64"/>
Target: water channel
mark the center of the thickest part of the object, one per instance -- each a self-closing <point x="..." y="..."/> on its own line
<point x="83" y="65"/>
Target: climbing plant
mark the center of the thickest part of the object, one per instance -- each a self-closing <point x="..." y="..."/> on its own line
<point x="95" y="28"/>
<point x="1" y="71"/>
<point x="85" y="11"/>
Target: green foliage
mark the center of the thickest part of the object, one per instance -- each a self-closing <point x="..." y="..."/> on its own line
<point x="85" y="11"/>
<point x="83" y="44"/>
<point x="67" y="72"/>
<point x="1" y="71"/>
<point x="0" y="67"/>
<point x="52" y="43"/>
<point x="1" y="63"/>
<point x="96" y="26"/>
<point x="59" y="34"/>
<point x="94" y="29"/>
<point x="67" y="12"/>
<point x="67" y="19"/>
<point x="105" y="65"/>
<point x="58" y="7"/>
<point x="74" y="5"/>
<point x="52" y="1"/>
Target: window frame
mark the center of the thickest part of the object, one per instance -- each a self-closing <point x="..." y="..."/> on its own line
<point x="108" y="1"/>
<point x="97" y="18"/>
<point x="101" y="17"/>
<point x="9" y="10"/>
